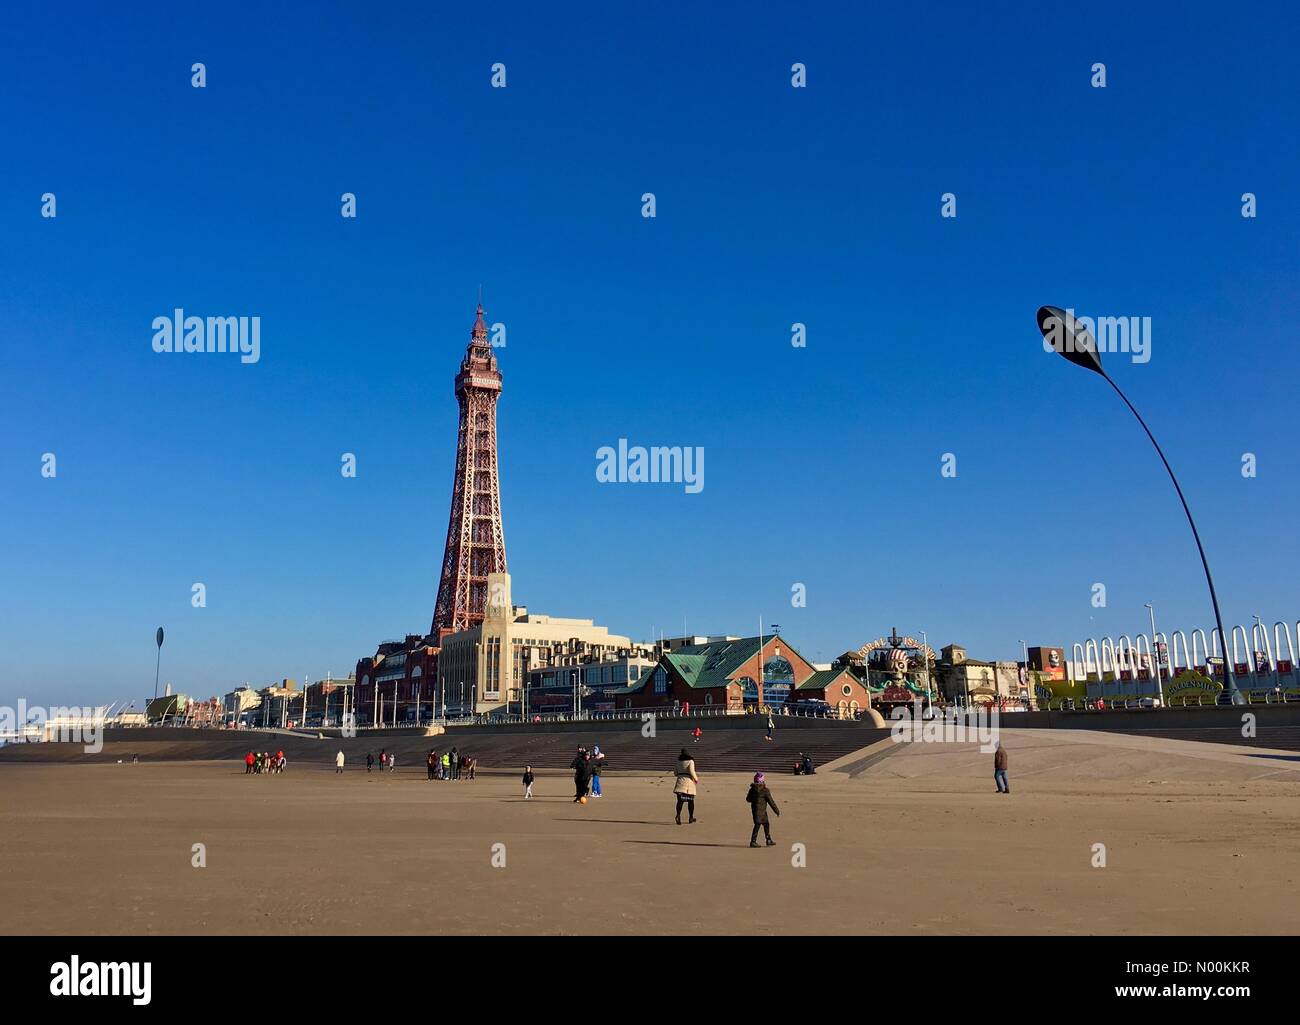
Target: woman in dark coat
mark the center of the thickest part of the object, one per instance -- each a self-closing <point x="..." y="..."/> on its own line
<point x="581" y="775"/>
<point x="759" y="798"/>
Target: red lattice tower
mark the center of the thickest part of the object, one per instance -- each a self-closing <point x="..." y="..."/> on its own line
<point x="476" y="543"/>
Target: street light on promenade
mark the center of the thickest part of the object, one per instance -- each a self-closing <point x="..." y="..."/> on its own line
<point x="157" y="661"/>
<point x="1155" y="653"/>
<point x="1028" y="686"/>
<point x="1072" y="340"/>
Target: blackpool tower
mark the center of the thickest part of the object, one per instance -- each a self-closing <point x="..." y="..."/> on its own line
<point x="476" y="543"/>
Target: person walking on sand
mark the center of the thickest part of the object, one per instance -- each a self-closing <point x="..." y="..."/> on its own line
<point x="338" y="763"/>
<point x="760" y="798"/>
<point x="696" y="734"/>
<point x="685" y="787"/>
<point x="597" y="763"/>
<point x="383" y="759"/>
<point x="392" y="762"/>
<point x="446" y="765"/>
<point x="1000" y="769"/>
<point x="528" y="782"/>
<point x="771" y="725"/>
<point x="370" y="761"/>
<point x="431" y="763"/>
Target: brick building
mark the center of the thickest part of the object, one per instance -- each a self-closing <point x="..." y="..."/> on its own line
<point x="733" y="673"/>
<point x="396" y="683"/>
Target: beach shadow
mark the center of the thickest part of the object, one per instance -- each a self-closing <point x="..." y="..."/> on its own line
<point x="620" y="822"/>
<point x="685" y="843"/>
<point x="1278" y="758"/>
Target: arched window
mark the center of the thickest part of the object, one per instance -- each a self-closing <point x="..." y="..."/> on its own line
<point x="416" y="672"/>
<point x="778" y="678"/>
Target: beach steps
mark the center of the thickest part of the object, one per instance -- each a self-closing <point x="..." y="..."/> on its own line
<point x="723" y="747"/>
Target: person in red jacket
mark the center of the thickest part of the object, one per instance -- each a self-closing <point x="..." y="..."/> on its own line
<point x="248" y="762"/>
<point x="696" y="734"/>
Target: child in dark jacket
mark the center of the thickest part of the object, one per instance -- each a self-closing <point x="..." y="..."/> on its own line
<point x="759" y="798"/>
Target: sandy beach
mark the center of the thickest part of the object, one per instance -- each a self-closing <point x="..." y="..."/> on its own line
<point x="1198" y="839"/>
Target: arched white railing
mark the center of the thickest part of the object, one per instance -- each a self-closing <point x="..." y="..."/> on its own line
<point x="1076" y="662"/>
<point x="1188" y="654"/>
<point x="1091" y="658"/>
<point x="1279" y="637"/>
<point x="1260" y="641"/>
<point x="1245" y="643"/>
<point x="1124" y="662"/>
<point x="1156" y="642"/>
<point x="1108" y="648"/>
<point x="1207" y="649"/>
<point x="1149" y="652"/>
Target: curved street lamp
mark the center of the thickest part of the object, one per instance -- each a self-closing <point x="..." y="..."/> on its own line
<point x="1065" y="335"/>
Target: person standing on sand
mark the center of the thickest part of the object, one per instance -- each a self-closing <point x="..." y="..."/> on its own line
<point x="392" y="762"/>
<point x="760" y="798"/>
<point x="248" y="763"/>
<point x="771" y="725"/>
<point x="370" y="761"/>
<point x="383" y="759"/>
<point x="446" y="765"/>
<point x="597" y="763"/>
<point x="431" y="763"/>
<point x="528" y="782"/>
<point x="579" y="767"/>
<point x="685" y="786"/>
<point x="696" y="734"/>
<point x="338" y="763"/>
<point x="1000" y="769"/>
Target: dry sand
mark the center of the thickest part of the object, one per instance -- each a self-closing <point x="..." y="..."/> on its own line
<point x="1199" y="839"/>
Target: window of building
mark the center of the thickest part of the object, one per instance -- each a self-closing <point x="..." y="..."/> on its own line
<point x="661" y="681"/>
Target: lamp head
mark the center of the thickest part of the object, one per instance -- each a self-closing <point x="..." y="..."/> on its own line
<point x="1064" y="334"/>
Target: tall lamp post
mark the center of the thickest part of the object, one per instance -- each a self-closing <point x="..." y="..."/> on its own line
<point x="1155" y="653"/>
<point x="1065" y="335"/>
<point x="1029" y="689"/>
<point x="925" y="657"/>
<point x="157" y="662"/>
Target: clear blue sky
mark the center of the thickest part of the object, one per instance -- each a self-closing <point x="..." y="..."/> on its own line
<point x="775" y="205"/>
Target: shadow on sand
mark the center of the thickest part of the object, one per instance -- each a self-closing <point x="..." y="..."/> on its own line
<point x="621" y="822"/>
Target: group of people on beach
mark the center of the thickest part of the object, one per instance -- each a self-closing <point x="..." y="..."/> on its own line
<point x="258" y="762"/>
<point x="586" y="766"/>
<point x="450" y="765"/>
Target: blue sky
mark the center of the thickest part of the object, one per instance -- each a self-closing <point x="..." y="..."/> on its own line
<point x="774" y="205"/>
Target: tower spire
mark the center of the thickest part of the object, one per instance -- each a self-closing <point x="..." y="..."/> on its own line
<point x="475" y="539"/>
